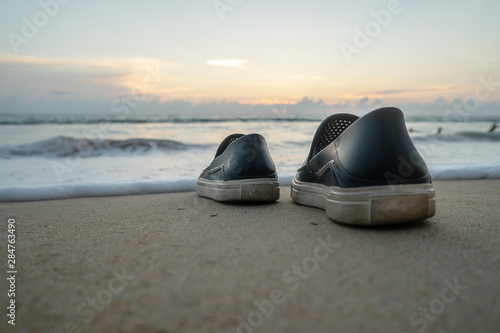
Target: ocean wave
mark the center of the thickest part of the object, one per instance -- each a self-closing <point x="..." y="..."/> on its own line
<point x="79" y="120"/>
<point x="26" y="119"/>
<point x="460" y="137"/>
<point x="62" y="146"/>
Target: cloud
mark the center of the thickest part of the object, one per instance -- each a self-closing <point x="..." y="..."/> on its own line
<point x="123" y="64"/>
<point x="39" y="77"/>
<point x="445" y="88"/>
<point x="303" y="108"/>
<point x="235" y="63"/>
<point x="367" y="102"/>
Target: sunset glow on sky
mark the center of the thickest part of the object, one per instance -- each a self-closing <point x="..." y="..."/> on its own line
<point x="254" y="52"/>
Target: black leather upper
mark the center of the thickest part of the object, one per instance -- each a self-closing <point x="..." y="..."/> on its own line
<point x="241" y="157"/>
<point x="373" y="150"/>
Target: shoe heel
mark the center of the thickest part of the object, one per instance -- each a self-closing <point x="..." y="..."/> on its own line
<point x="384" y="210"/>
<point x="260" y="192"/>
<point x="379" y="205"/>
<point x="265" y="189"/>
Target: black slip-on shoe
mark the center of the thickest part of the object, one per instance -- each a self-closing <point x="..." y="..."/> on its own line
<point x="365" y="171"/>
<point x="242" y="170"/>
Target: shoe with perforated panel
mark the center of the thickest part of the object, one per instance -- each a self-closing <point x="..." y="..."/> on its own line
<point x="242" y="170"/>
<point x="365" y="171"/>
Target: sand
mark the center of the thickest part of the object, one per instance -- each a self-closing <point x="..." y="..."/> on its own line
<point x="179" y="263"/>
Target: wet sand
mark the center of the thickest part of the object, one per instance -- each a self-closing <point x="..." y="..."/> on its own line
<point x="179" y="263"/>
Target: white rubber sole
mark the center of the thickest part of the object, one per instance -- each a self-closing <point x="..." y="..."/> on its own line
<point x="259" y="189"/>
<point x="375" y="205"/>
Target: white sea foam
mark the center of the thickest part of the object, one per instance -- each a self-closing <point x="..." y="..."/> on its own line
<point x="29" y="193"/>
<point x="471" y="171"/>
<point x="64" y="191"/>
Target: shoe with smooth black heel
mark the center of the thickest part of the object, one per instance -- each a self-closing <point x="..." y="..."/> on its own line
<point x="365" y="171"/>
<point x="242" y="170"/>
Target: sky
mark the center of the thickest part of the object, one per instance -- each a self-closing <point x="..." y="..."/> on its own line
<point x="83" y="56"/>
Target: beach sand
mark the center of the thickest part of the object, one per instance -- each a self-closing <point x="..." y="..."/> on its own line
<point x="179" y="263"/>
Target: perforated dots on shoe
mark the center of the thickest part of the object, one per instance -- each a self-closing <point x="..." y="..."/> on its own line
<point x="331" y="131"/>
<point x="231" y="140"/>
<point x="226" y="142"/>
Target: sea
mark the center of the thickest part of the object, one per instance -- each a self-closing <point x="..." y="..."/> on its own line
<point x="62" y="156"/>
